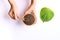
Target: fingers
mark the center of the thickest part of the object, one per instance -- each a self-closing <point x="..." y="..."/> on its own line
<point x="13" y="10"/>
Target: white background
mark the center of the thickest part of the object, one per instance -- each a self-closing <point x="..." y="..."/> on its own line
<point x="16" y="30"/>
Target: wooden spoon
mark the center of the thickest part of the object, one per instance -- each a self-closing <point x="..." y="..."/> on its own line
<point x="29" y="17"/>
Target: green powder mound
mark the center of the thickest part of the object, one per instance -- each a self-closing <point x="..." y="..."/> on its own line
<point x="46" y="14"/>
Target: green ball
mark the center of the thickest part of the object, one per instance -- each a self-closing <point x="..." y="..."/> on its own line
<point x="46" y="14"/>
